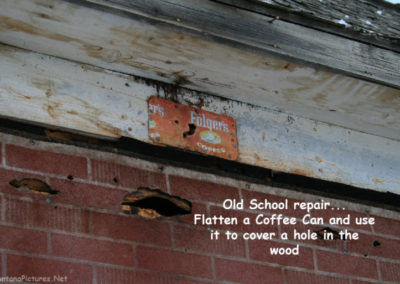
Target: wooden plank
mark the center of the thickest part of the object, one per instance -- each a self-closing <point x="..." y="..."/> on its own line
<point x="253" y="30"/>
<point x="58" y="93"/>
<point x="175" y="51"/>
<point x="369" y="21"/>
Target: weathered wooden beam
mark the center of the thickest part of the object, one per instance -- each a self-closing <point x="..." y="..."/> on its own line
<point x="260" y="32"/>
<point x="369" y="21"/>
<point x="150" y="41"/>
<point x="50" y="91"/>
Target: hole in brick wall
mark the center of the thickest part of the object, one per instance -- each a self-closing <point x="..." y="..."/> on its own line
<point x="70" y="177"/>
<point x="115" y="180"/>
<point x="376" y="244"/>
<point x="328" y="233"/>
<point x="34" y="185"/>
<point x="192" y="128"/>
<point x="153" y="203"/>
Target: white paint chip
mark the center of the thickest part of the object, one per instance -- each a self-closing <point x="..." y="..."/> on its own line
<point x="343" y="22"/>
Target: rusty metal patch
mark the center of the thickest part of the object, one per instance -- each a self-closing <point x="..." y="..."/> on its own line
<point x="192" y="129"/>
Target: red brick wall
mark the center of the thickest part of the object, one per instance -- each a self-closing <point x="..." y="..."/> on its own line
<point x="80" y="232"/>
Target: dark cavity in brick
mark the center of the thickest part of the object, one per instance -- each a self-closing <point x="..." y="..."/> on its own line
<point x="34" y="185"/>
<point x="376" y="243"/>
<point x="153" y="203"/>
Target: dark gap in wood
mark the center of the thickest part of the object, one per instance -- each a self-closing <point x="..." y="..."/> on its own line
<point x="195" y="161"/>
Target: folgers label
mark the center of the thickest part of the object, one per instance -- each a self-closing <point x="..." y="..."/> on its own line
<point x="192" y="129"/>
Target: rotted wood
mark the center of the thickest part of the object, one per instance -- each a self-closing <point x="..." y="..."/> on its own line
<point x="217" y="49"/>
<point x="60" y="94"/>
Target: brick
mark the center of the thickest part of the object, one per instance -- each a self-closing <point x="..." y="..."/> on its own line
<point x="131" y="228"/>
<point x="387" y="226"/>
<point x="260" y="250"/>
<point x="390" y="271"/>
<point x="300" y="228"/>
<point x="346" y="264"/>
<point x="198" y="239"/>
<point x="43" y="161"/>
<point x="109" y="275"/>
<point x="43" y="215"/>
<point x="126" y="176"/>
<point x="331" y="212"/>
<point x="162" y="278"/>
<point x="91" y="249"/>
<point x="88" y="195"/>
<point x="189" y="281"/>
<point x="18" y="265"/>
<point x="23" y="239"/>
<point x="362" y="282"/>
<point x="240" y="227"/>
<point x="173" y="261"/>
<point x="387" y="248"/>
<point x="300" y="277"/>
<point x="198" y="190"/>
<point x="7" y="175"/>
<point x="244" y="272"/>
<point x="197" y="208"/>
<point x="248" y="195"/>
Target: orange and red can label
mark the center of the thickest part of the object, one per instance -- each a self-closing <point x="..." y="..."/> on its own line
<point x="192" y="129"/>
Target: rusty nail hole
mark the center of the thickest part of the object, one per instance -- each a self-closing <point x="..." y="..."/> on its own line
<point x="154" y="203"/>
<point x="70" y="177"/>
<point x="127" y="84"/>
<point x="192" y="128"/>
<point x="34" y="185"/>
<point x="129" y="128"/>
<point x="376" y="244"/>
<point x="115" y="180"/>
